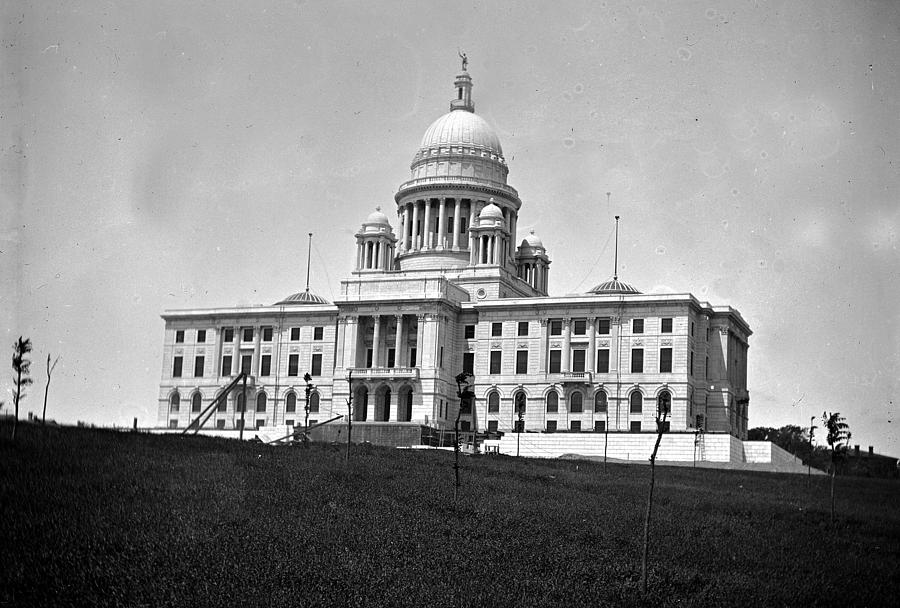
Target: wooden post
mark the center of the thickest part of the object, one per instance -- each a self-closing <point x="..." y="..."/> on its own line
<point x="244" y="407"/>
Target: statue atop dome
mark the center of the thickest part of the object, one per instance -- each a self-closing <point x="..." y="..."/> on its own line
<point x="465" y="60"/>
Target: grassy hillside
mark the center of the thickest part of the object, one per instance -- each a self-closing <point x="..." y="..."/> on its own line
<point x="105" y="518"/>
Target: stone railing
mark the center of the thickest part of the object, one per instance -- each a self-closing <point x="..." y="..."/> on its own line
<point x="385" y="373"/>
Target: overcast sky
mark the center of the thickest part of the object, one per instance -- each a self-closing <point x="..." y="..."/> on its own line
<point x="163" y="155"/>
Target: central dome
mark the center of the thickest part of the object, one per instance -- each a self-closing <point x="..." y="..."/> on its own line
<point x="461" y="128"/>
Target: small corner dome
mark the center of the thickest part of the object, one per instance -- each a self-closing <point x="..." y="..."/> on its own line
<point x="613" y="286"/>
<point x="377" y="217"/>
<point x="491" y="212"/>
<point x="532" y="240"/>
<point x="303" y="298"/>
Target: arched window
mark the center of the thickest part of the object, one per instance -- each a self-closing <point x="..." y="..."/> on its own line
<point x="664" y="403"/>
<point x="174" y="402"/>
<point x="290" y="404"/>
<point x="196" y="402"/>
<point x="637" y="402"/>
<point x="261" y="402"/>
<point x="552" y="402"/>
<point x="494" y="402"/>
<point x="239" y="402"/>
<point x="600" y="403"/>
<point x="576" y="403"/>
<point x="520" y="403"/>
<point x="314" y="403"/>
<point x="405" y="404"/>
<point x="361" y="404"/>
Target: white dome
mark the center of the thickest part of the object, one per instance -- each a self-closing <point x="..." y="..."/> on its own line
<point x="461" y="128"/>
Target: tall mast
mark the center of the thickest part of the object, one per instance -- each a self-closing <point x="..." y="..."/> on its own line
<point x="308" y="250"/>
<point x="616" y="263"/>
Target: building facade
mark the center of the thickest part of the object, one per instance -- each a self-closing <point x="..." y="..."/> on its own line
<point x="450" y="287"/>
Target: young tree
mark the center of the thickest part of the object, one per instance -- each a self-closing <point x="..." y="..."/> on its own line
<point x="21" y="366"/>
<point x="50" y="369"/>
<point x="839" y="441"/>
<point x="662" y="412"/>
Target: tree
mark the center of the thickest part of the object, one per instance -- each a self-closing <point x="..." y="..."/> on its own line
<point x="22" y="367"/>
<point x="50" y="369"/>
<point x="662" y="412"/>
<point x="839" y="441"/>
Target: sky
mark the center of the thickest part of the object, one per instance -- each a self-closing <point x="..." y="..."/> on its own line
<point x="170" y="154"/>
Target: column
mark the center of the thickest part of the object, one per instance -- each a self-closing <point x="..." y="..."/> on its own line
<point x="472" y="206"/>
<point x="567" y="344"/>
<point x="254" y="361"/>
<point x="376" y="341"/>
<point x="415" y="226"/>
<point x="442" y="223"/>
<point x="456" y="224"/>
<point x="398" y="342"/>
<point x="359" y="254"/>
<point x="426" y="229"/>
<point x="420" y="329"/>
<point x="592" y="345"/>
<point x="406" y="227"/>
<point x="513" y="220"/>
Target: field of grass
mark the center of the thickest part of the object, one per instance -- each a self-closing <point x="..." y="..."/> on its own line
<point x="95" y="517"/>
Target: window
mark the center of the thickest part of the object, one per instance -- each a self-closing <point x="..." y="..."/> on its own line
<point x="265" y="365"/>
<point x="293" y="364"/>
<point x="692" y="329"/>
<point x="392" y="357"/>
<point x="551" y="426"/>
<point x="665" y="425"/>
<point x="368" y="357"/>
<point x="665" y="360"/>
<point x="201" y="336"/>
<point x="600" y="402"/>
<point x="295" y="334"/>
<point x="246" y="360"/>
<point x="580" y="327"/>
<point x="316" y="364"/>
<point x="314" y="403"/>
<point x="492" y="426"/>
<point x="228" y="334"/>
<point x="496" y="329"/>
<point x="290" y="404"/>
<point x="666" y="326"/>
<point x="441" y="357"/>
<point x="239" y="403"/>
<point x="220" y="424"/>
<point x="173" y="424"/>
<point x="576" y="403"/>
<point x="556" y="328"/>
<point x="701" y="421"/>
<point x="603" y="326"/>
<point x="469" y="332"/>
<point x="520" y="403"/>
<point x="707" y="334"/>
<point x="196" y="402"/>
<point x="552" y="402"/>
<point x="267" y="334"/>
<point x="318" y="333"/>
<point x="289" y="422"/>
<point x="691" y="369"/>
<point x="494" y="402"/>
<point x="664" y="403"/>
<point x="706" y="369"/>
<point x="223" y="404"/>
<point x="603" y="360"/>
<point x="575" y="426"/>
<point x="469" y="363"/>
<point x="637" y="360"/>
<point x="412" y="357"/>
<point x="247" y="334"/>
<point x="637" y="326"/>
<point x="636" y="402"/>
<point x="635" y="426"/>
<point x="198" y="366"/>
<point x="261" y="402"/>
<point x="599" y="426"/>
<point x="465" y="425"/>
<point x="496" y="359"/>
<point x="176" y="367"/>
<point x="174" y="402"/>
<point x="521" y="361"/>
<point x="578" y="359"/>
<point x="555" y="361"/>
<point x="226" y="365"/>
<point x="260" y="424"/>
<point x="239" y="424"/>
<point x="179" y="336"/>
<point x="522" y="329"/>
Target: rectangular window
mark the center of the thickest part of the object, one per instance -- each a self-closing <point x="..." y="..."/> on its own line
<point x="603" y="360"/>
<point x="265" y="365"/>
<point x="463" y="224"/>
<point x="707" y="334"/>
<point x="551" y="426"/>
<point x="368" y="358"/>
<point x="293" y="364"/>
<point x="220" y="424"/>
<point x="450" y="224"/>
<point x="246" y="360"/>
<point x="521" y="361"/>
<point x="238" y="424"/>
<point x="260" y="424"/>
<point x="555" y="361"/>
<point x="266" y="334"/>
<point x="578" y="358"/>
<point x="496" y="359"/>
<point x="556" y="328"/>
<point x="198" y="367"/>
<point x="665" y="426"/>
<point x="289" y="422"/>
<point x="392" y="357"/>
<point x="575" y="426"/>
<point x="635" y="426"/>
<point x="522" y="328"/>
<point x="413" y="357"/>
<point x="691" y="368"/>
<point x="226" y="365"/>
<point x="228" y="334"/>
<point x="637" y="326"/>
<point x="318" y="333"/>
<point x="316" y="364"/>
<point x="665" y="360"/>
<point x="179" y="336"/>
<point x="247" y="334"/>
<point x="666" y="326"/>
<point x="173" y="424"/>
<point x="706" y="369"/>
<point x="496" y="329"/>
<point x="599" y="426"/>
<point x="295" y="334"/>
<point x="469" y="363"/>
<point x="469" y="332"/>
<point x="176" y="367"/>
<point x="580" y="327"/>
<point x="637" y="360"/>
<point x="701" y="421"/>
<point x="692" y="329"/>
<point x="603" y="327"/>
<point x="201" y="336"/>
<point x="441" y="357"/>
<point x="492" y="426"/>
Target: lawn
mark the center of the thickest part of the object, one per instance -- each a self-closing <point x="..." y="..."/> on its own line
<point x="93" y="517"/>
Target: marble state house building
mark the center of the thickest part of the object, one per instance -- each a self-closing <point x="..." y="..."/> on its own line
<point x="453" y="288"/>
